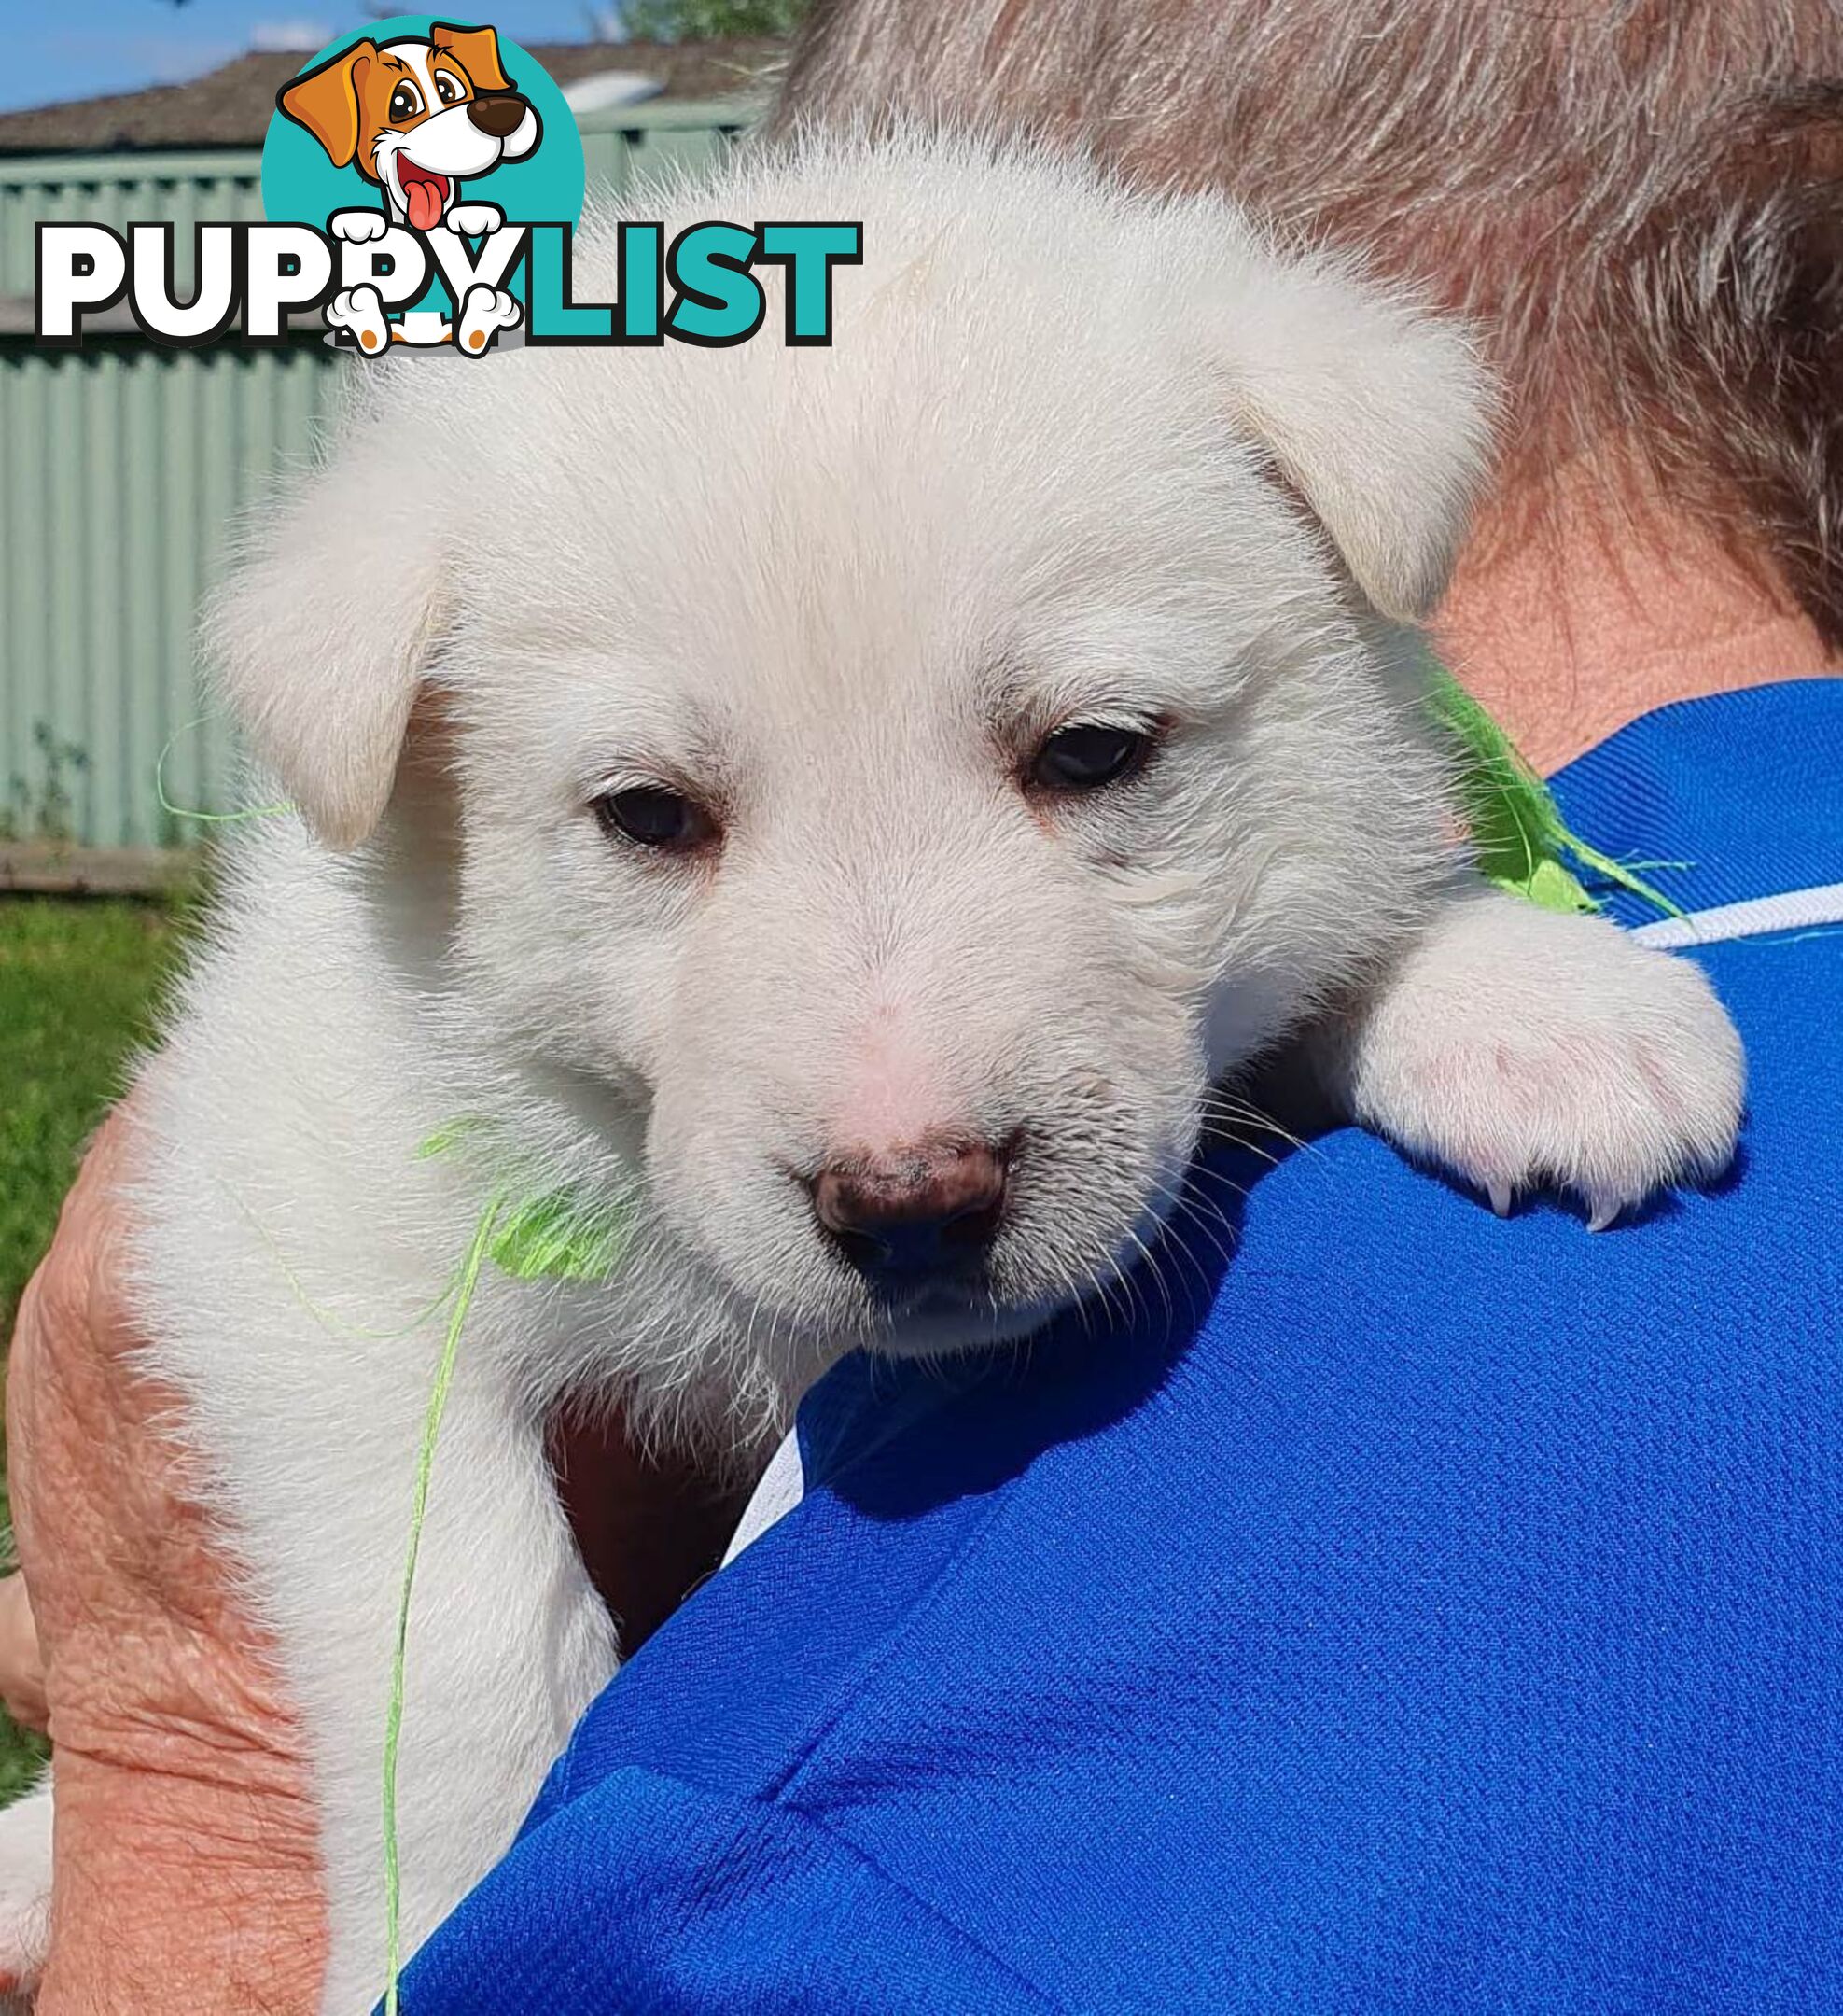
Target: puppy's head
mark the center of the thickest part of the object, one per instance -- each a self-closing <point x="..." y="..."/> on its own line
<point x="909" y="772"/>
<point x="415" y="117"/>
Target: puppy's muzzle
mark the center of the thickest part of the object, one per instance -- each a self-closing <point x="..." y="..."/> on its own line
<point x="500" y="115"/>
<point x="928" y="1210"/>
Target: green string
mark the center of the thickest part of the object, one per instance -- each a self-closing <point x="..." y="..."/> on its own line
<point x="184" y="812"/>
<point x="478" y="1251"/>
<point x="554" y="1236"/>
<point x="325" y="1317"/>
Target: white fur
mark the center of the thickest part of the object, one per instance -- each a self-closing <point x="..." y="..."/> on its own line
<point x="1517" y="1048"/>
<point x="473" y="219"/>
<point x="842" y="593"/>
<point x="25" y="1897"/>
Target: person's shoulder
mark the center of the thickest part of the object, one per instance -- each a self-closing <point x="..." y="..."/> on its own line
<point x="1357" y="1476"/>
<point x="648" y="1894"/>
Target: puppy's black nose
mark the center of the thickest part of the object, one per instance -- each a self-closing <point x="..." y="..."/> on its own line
<point x="500" y="115"/>
<point x="932" y="1209"/>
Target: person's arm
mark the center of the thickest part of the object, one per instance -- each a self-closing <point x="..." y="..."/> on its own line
<point x="188" y="1876"/>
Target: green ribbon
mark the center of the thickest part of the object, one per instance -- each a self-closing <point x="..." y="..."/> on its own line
<point x="1519" y="839"/>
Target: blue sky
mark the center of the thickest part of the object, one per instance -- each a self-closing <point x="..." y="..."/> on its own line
<point x="80" y="49"/>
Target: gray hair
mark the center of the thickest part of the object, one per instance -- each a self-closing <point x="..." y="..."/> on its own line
<point x="1639" y="200"/>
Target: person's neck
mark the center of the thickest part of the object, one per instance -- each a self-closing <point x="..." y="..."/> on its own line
<point x="1603" y="611"/>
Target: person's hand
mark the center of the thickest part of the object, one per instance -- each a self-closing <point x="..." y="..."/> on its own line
<point x="188" y="1875"/>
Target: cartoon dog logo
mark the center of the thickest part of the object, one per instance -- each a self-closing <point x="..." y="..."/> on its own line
<point x="417" y="117"/>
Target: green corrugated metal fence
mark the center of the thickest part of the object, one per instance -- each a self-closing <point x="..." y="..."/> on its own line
<point x="123" y="466"/>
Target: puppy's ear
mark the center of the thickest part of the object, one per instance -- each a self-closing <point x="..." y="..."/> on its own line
<point x="320" y="639"/>
<point x="1379" y="415"/>
<point x="325" y="101"/>
<point x="477" y="49"/>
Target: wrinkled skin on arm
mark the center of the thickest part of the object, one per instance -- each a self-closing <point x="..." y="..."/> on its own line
<point x="187" y="1873"/>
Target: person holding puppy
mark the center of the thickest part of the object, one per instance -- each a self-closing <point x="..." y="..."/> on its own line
<point x="1663" y="531"/>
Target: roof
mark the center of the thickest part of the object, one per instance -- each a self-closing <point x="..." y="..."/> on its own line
<point x="230" y="106"/>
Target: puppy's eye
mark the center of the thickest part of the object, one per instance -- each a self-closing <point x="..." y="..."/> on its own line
<point x="650" y="816"/>
<point x="1084" y="757"/>
<point x="406" y="100"/>
<point x="446" y="89"/>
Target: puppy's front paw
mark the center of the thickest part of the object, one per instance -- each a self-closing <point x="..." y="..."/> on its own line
<point x="1518" y="1048"/>
<point x="483" y="312"/>
<point x="359" y="227"/>
<point x="474" y="220"/>
<point x="360" y="311"/>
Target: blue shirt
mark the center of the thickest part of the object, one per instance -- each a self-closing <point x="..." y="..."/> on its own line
<point x="1423" y="1612"/>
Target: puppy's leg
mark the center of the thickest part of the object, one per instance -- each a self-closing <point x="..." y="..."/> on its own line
<point x="474" y="220"/>
<point x="507" y="1644"/>
<point x="1520" y="1047"/>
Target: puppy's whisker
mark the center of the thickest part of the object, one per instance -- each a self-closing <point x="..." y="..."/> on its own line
<point x="1223" y="1108"/>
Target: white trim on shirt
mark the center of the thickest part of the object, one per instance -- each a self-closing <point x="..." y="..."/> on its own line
<point x="782" y="1487"/>
<point x="1793" y="910"/>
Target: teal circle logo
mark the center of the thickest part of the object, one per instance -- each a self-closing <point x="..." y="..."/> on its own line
<point x="423" y="123"/>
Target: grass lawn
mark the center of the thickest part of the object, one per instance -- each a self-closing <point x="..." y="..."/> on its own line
<point x="78" y="984"/>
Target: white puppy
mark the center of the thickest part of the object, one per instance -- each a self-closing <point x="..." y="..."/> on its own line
<point x="854" y="801"/>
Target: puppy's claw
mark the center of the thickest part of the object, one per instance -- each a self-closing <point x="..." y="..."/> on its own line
<point x="1523" y="1048"/>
